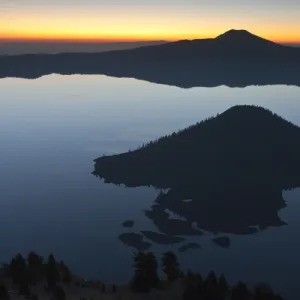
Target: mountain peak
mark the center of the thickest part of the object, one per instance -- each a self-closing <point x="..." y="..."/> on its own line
<point x="237" y="33"/>
<point x="244" y="37"/>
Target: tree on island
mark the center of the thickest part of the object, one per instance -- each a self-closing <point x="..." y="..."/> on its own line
<point x="52" y="273"/>
<point x="145" y="276"/>
<point x="171" y="266"/>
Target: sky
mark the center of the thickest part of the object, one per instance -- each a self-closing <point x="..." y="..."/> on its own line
<point x="130" y="20"/>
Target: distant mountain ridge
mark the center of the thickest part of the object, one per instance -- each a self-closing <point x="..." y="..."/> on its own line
<point x="244" y="36"/>
<point x="21" y="48"/>
<point x="236" y="58"/>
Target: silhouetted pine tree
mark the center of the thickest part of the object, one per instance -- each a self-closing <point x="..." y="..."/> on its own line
<point x="170" y="266"/>
<point x="210" y="290"/>
<point x="194" y="286"/>
<point x="263" y="292"/>
<point x="240" y="292"/>
<point x="200" y="285"/>
<point x="66" y="276"/>
<point x="190" y="275"/>
<point x="18" y="269"/>
<point x="114" y="288"/>
<point x="52" y="273"/>
<point x="223" y="287"/>
<point x="145" y="276"/>
<point x="151" y="264"/>
<point x="211" y="279"/>
<point x="213" y="289"/>
<point x="35" y="267"/>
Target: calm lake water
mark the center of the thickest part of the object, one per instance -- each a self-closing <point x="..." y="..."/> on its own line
<point x="52" y="128"/>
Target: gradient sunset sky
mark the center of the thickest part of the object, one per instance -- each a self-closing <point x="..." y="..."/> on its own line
<point x="125" y="20"/>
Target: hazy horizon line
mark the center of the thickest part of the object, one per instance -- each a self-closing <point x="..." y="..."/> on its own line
<point x="117" y="40"/>
<point x="120" y="39"/>
<point x="84" y="40"/>
<point x="108" y="41"/>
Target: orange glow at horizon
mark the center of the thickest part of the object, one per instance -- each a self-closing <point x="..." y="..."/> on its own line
<point x="108" y="24"/>
<point x="131" y="37"/>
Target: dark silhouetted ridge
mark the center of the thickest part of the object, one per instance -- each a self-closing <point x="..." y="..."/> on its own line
<point x="235" y="59"/>
<point x="245" y="38"/>
<point x="243" y="146"/>
<point x="236" y="34"/>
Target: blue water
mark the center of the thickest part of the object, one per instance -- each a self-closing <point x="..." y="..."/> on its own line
<point x="52" y="128"/>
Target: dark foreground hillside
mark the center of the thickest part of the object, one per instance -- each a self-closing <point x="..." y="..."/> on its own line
<point x="33" y="279"/>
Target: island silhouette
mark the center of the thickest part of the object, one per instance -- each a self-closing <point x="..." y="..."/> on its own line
<point x="224" y="175"/>
<point x="236" y="58"/>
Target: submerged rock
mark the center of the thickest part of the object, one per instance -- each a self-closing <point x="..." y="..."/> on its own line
<point x="134" y="240"/>
<point x="222" y="241"/>
<point x="128" y="223"/>
<point x="188" y="246"/>
<point x="162" y="239"/>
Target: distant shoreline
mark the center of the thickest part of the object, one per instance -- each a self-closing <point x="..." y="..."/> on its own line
<point x="49" y="47"/>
